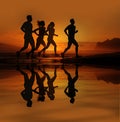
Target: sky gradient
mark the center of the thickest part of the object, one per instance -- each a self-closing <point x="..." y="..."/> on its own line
<point x="96" y="20"/>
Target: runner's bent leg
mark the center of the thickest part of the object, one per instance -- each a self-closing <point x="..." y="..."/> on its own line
<point x="55" y="46"/>
<point x="76" y="47"/>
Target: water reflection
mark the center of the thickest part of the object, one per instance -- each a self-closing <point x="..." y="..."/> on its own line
<point x="98" y="92"/>
<point x="45" y="80"/>
<point x="70" y="90"/>
<point x="40" y="89"/>
<point x="51" y="88"/>
<point x="28" y="83"/>
<point x="109" y="77"/>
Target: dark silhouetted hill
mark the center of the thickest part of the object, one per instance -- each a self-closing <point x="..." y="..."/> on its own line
<point x="109" y="77"/>
<point x="112" y="44"/>
<point x="8" y="48"/>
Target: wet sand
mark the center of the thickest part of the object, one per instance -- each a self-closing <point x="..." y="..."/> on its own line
<point x="97" y="99"/>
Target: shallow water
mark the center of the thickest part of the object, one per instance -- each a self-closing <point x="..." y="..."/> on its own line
<point x="94" y="94"/>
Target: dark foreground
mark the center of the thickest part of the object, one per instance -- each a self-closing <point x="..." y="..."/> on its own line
<point x="99" y="60"/>
<point x="53" y="89"/>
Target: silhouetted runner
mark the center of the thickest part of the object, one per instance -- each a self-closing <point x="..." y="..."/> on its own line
<point x="70" y="31"/>
<point x="28" y="38"/>
<point x="51" y="33"/>
<point x="70" y="90"/>
<point x="41" y="32"/>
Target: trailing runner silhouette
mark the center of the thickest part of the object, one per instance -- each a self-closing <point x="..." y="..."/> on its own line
<point x="28" y="38"/>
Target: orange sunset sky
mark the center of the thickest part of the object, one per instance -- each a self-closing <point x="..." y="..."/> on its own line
<point x="96" y="20"/>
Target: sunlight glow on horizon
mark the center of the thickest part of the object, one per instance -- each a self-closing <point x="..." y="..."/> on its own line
<point x="95" y="20"/>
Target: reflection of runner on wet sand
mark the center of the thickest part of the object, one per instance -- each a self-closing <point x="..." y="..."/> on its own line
<point x="28" y="83"/>
<point x="41" y="89"/>
<point x="51" y="88"/>
<point x="70" y="90"/>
